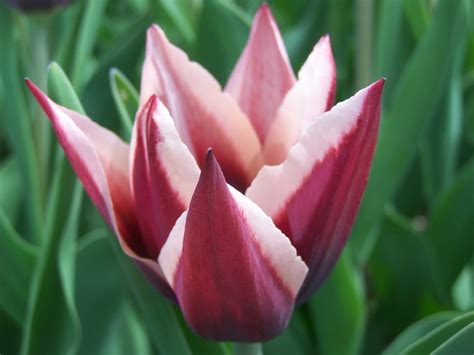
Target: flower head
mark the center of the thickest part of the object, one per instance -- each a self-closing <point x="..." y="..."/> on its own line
<point x="236" y="203"/>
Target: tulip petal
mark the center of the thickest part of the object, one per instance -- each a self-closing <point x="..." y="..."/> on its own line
<point x="100" y="159"/>
<point x="263" y="74"/>
<point x="311" y="96"/>
<point x="205" y="116"/>
<point x="235" y="274"/>
<point x="164" y="174"/>
<point x="150" y="80"/>
<point x="313" y="197"/>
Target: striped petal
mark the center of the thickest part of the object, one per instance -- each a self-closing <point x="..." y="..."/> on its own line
<point x="313" y="197"/>
<point x="205" y="116"/>
<point x="263" y="74"/>
<point x="100" y="159"/>
<point x="163" y="172"/>
<point x="311" y="96"/>
<point x="235" y="274"/>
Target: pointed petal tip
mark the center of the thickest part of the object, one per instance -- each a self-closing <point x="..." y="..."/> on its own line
<point x="376" y="88"/>
<point x="264" y="14"/>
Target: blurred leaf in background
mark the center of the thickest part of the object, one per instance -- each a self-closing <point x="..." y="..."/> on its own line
<point x="404" y="285"/>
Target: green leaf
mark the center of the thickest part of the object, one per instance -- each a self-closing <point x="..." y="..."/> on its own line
<point x="339" y="304"/>
<point x="60" y="88"/>
<point x="297" y="339"/>
<point x="463" y="289"/>
<point x="225" y="43"/>
<point x="178" y="12"/>
<point x="437" y="337"/>
<point x="159" y="317"/>
<point x="417" y="13"/>
<point x="417" y="330"/>
<point x="17" y="261"/>
<point x="100" y="290"/>
<point x="51" y="304"/>
<point x="85" y="41"/>
<point x="450" y="229"/>
<point x="15" y="119"/>
<point x="399" y="286"/>
<point x="439" y="148"/>
<point x="414" y="101"/>
<point x="10" y="188"/>
<point x="125" y="97"/>
<point x="388" y="44"/>
<point x="461" y="343"/>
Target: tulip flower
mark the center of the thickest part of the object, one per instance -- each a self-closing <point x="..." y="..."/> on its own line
<point x="234" y="202"/>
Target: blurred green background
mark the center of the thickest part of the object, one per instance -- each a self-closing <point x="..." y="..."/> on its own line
<point x="405" y="282"/>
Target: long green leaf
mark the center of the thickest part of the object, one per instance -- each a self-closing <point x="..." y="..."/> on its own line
<point x="51" y="307"/>
<point x="101" y="290"/>
<point x="417" y="330"/>
<point x="415" y="98"/>
<point x="88" y="31"/>
<point x="125" y="97"/>
<point x="17" y="260"/>
<point x="450" y="229"/>
<point x="439" y="148"/>
<point x="339" y="304"/>
<point x="163" y="325"/>
<point x="460" y="343"/>
<point x="437" y="337"/>
<point x="16" y="120"/>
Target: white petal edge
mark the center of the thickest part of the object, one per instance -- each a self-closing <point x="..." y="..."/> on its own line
<point x="274" y="246"/>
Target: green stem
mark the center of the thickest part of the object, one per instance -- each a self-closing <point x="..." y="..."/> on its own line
<point x="364" y="10"/>
<point x="248" y="349"/>
<point x="39" y="51"/>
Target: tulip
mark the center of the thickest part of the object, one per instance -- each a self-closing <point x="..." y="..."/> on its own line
<point x="235" y="203"/>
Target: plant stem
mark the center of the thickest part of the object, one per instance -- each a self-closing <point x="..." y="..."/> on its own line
<point x="248" y="349"/>
<point x="364" y="10"/>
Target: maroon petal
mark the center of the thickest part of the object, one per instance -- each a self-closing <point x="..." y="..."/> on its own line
<point x="100" y="159"/>
<point x="164" y="174"/>
<point x="314" y="196"/>
<point x="263" y="74"/>
<point x="235" y="274"/>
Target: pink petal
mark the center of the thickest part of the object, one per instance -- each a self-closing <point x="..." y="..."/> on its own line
<point x="205" y="116"/>
<point x="150" y="80"/>
<point x="263" y="74"/>
<point x="100" y="159"/>
<point x="311" y="96"/>
<point x="235" y="274"/>
<point x="164" y="174"/>
<point x="313" y="197"/>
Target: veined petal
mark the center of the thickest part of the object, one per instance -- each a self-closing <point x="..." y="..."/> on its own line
<point x="205" y="116"/>
<point x="263" y="74"/>
<point x="235" y="274"/>
<point x="313" y="197"/>
<point x="164" y="174"/>
<point x="100" y="159"/>
<point x="311" y="96"/>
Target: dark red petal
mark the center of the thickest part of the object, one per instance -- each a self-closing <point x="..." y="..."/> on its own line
<point x="314" y="196"/>
<point x="263" y="74"/>
<point x="164" y="174"/>
<point x="100" y="159"/>
<point x="238" y="275"/>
